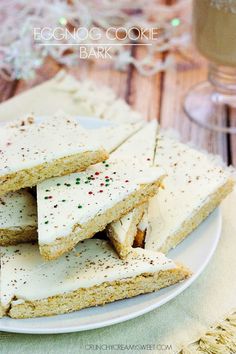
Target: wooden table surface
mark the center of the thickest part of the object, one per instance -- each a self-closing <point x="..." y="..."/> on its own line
<point x="156" y="97"/>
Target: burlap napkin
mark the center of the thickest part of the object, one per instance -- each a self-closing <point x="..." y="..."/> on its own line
<point x="186" y="319"/>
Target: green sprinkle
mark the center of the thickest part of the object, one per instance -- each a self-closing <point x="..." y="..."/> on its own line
<point x="86" y="182"/>
<point x="78" y="179"/>
<point x="45" y="197"/>
<point x="175" y="22"/>
<point x="63" y="200"/>
<point x="63" y="21"/>
<point x="79" y="206"/>
<point x="107" y="184"/>
<point x="58" y="184"/>
<point x="107" y="180"/>
<point x="47" y="190"/>
<point x="77" y="182"/>
<point x="46" y="222"/>
<point x="107" y="165"/>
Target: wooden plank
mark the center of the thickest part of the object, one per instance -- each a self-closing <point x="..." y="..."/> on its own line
<point x="7" y="89"/>
<point x="47" y="71"/>
<point x="176" y="84"/>
<point x="145" y="92"/>
<point x="103" y="73"/>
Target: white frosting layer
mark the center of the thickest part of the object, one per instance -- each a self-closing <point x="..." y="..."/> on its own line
<point x="17" y="210"/>
<point x="142" y="226"/>
<point x="17" y="263"/>
<point x="32" y="143"/>
<point x="66" y="201"/>
<point x="122" y="227"/>
<point x="191" y="179"/>
<point x="111" y="137"/>
<point x="142" y="147"/>
<point x="92" y="262"/>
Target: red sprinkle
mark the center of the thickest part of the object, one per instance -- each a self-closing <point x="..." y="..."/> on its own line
<point x="90" y="192"/>
<point x="106" y="176"/>
<point x="96" y="173"/>
<point x="127" y="181"/>
<point x="101" y="184"/>
<point x="148" y="159"/>
<point x="50" y="197"/>
<point x="100" y="191"/>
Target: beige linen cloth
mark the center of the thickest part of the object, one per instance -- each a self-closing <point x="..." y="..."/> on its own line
<point x="194" y="316"/>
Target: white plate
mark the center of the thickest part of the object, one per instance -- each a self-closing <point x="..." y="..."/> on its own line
<point x="195" y="252"/>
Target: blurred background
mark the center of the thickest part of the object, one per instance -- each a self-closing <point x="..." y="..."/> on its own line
<point x="143" y="50"/>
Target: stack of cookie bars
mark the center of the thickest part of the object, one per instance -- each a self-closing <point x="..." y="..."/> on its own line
<point x="87" y="216"/>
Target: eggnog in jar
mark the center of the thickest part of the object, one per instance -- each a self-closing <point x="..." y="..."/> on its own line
<point x="214" y="29"/>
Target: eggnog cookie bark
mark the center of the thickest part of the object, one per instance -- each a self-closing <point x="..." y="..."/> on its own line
<point x="2" y="310"/>
<point x="141" y="230"/>
<point x="193" y="188"/>
<point x="23" y="259"/>
<point x="75" y="207"/>
<point x="123" y="232"/>
<point x="113" y="135"/>
<point x="140" y="147"/>
<point x="18" y="218"/>
<point x="32" y="151"/>
<point x="92" y="274"/>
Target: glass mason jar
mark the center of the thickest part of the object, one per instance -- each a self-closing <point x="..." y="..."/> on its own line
<point x="214" y="34"/>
